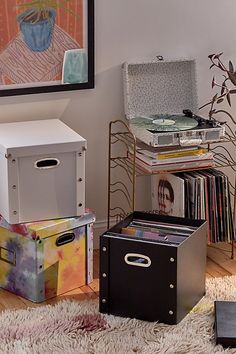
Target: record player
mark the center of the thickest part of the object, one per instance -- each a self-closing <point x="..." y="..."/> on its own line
<point x="160" y="104"/>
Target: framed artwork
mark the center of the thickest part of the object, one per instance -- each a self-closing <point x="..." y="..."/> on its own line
<point x="46" y="46"/>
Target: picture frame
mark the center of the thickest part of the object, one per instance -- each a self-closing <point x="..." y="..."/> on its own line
<point x="46" y="46"/>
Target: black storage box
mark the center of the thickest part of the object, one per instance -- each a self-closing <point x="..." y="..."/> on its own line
<point x="149" y="279"/>
<point x="225" y="323"/>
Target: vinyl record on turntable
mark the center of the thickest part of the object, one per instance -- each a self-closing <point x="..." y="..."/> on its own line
<point x="165" y="122"/>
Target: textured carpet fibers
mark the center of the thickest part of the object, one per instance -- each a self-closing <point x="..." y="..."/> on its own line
<point x="72" y="327"/>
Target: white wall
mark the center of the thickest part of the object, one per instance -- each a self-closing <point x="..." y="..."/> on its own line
<point x="131" y="30"/>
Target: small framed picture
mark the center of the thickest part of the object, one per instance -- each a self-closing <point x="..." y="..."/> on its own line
<point x="46" y="46"/>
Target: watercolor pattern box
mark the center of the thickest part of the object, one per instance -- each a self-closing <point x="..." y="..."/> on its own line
<point x="44" y="259"/>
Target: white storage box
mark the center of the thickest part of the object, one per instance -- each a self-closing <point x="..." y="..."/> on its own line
<point x="165" y="87"/>
<point x="42" y="171"/>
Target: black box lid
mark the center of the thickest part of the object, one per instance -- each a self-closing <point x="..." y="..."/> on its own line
<point x="225" y="323"/>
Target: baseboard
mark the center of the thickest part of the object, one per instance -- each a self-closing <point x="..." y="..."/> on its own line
<point x="99" y="227"/>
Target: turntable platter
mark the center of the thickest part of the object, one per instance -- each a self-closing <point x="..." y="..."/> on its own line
<point x="165" y="122"/>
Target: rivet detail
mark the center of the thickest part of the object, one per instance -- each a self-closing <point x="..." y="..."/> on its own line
<point x="104" y="249"/>
<point x="172" y="259"/>
<point x="171" y="286"/>
<point x="104" y="275"/>
<point x="104" y="301"/>
<point x="171" y="312"/>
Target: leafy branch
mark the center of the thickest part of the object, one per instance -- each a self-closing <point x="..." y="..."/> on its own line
<point x="226" y="88"/>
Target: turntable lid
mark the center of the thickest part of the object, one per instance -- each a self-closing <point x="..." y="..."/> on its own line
<point x="160" y="87"/>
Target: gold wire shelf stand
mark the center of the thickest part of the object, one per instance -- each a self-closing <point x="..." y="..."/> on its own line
<point x="123" y="183"/>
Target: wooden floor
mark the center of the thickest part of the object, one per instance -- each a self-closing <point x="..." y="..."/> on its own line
<point x="219" y="264"/>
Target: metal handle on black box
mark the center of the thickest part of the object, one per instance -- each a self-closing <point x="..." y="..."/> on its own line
<point x="137" y="259"/>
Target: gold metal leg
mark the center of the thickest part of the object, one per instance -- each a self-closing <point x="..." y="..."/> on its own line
<point x="234" y="220"/>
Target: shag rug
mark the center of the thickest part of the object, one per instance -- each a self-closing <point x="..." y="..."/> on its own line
<point x="72" y="327"/>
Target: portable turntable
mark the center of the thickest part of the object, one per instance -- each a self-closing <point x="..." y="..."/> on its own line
<point x="160" y="97"/>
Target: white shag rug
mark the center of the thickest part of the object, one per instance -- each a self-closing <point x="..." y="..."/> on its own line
<point x="72" y="327"/>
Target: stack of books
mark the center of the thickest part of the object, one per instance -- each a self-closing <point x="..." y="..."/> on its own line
<point x="152" y="159"/>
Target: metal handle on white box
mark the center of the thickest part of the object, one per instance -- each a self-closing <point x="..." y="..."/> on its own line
<point x="46" y="163"/>
<point x="190" y="142"/>
<point x="138" y="260"/>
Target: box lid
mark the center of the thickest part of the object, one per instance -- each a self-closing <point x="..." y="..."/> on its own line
<point x="38" y="137"/>
<point x="160" y="87"/>
<point x="46" y="228"/>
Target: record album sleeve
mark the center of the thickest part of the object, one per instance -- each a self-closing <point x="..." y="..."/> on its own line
<point x="168" y="195"/>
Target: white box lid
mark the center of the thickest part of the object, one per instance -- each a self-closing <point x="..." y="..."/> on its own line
<point x="160" y="87"/>
<point x="38" y="137"/>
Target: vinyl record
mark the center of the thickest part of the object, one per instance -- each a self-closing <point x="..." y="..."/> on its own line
<point x="165" y="123"/>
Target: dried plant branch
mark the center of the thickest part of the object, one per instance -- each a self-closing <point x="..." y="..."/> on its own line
<point x="229" y="78"/>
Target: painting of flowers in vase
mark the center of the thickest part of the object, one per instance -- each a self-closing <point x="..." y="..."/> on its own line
<point x="46" y="45"/>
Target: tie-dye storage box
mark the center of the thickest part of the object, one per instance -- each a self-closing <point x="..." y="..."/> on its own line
<point x="43" y="259"/>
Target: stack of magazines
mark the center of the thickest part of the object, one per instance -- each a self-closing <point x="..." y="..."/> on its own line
<point x="152" y="159"/>
<point x="202" y="194"/>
